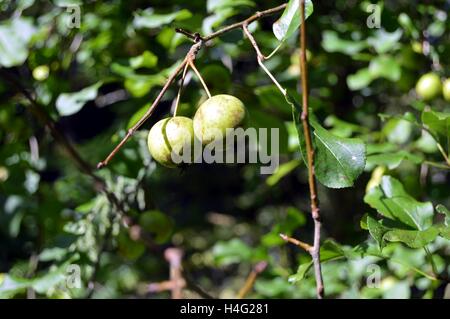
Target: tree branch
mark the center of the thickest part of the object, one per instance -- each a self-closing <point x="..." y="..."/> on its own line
<point x="190" y="57"/>
<point x="304" y="118"/>
<point x="174" y="256"/>
<point x="248" y="285"/>
<point x="315" y="253"/>
<point x="306" y="247"/>
<point x="239" y="25"/>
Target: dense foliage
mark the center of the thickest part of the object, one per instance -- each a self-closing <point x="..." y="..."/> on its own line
<point x="382" y="150"/>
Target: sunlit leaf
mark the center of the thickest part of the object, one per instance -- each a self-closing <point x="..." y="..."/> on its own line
<point x="391" y="200"/>
<point x="412" y="238"/>
<point x="148" y="18"/>
<point x="71" y="103"/>
<point x="289" y="21"/>
<point x="15" y="36"/>
<point x="338" y="161"/>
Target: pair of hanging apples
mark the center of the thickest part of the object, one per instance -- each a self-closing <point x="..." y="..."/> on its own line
<point x="172" y="135"/>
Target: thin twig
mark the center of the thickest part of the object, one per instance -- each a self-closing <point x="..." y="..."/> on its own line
<point x="161" y="286"/>
<point x="177" y="102"/>
<point x="192" y="65"/>
<point x="193" y="36"/>
<point x="315" y="249"/>
<point x="255" y="45"/>
<point x="174" y="256"/>
<point x="248" y="285"/>
<point x="147" y="114"/>
<point x="437" y="165"/>
<point x="315" y="253"/>
<point x="191" y="285"/>
<point x="444" y="155"/>
<point x="306" y="247"/>
<point x="190" y="56"/>
<point x="253" y="42"/>
<point x="283" y="90"/>
<point x="238" y="25"/>
<point x="260" y="58"/>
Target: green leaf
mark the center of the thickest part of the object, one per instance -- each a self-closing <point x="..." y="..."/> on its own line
<point x="55" y="253"/>
<point x="68" y="3"/>
<point x="149" y="19"/>
<point x="412" y="238"/>
<point x="216" y="19"/>
<point x="281" y="171"/>
<point x="289" y="21"/>
<point x="398" y="131"/>
<point x="290" y="222"/>
<point x="332" y="43"/>
<point x="363" y="222"/>
<point x="15" y="36"/>
<point x="10" y="286"/>
<point x="71" y="103"/>
<point x="437" y="122"/>
<point x="138" y="115"/>
<point x="129" y="248"/>
<point x="383" y="66"/>
<point x="360" y="79"/>
<point x="392" y="160"/>
<point x="214" y="5"/>
<point x="271" y="287"/>
<point x="342" y="128"/>
<point x="330" y="250"/>
<point x="405" y="21"/>
<point x="139" y="84"/>
<point x="391" y="200"/>
<point x="376" y="230"/>
<point x="145" y="60"/>
<point x="444" y="231"/>
<point x="384" y="41"/>
<point x="230" y="252"/>
<point x="157" y="224"/>
<point x="441" y="209"/>
<point x="338" y="161"/>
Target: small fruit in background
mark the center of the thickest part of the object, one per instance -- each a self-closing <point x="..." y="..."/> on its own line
<point x="446" y="89"/>
<point x="41" y="73"/>
<point x="429" y="86"/>
<point x="168" y="137"/>
<point x="216" y="115"/>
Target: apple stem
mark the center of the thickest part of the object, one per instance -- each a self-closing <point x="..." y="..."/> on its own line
<point x="192" y="65"/>
<point x="177" y="102"/>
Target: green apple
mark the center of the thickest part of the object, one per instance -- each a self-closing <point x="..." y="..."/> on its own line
<point x="446" y="89"/>
<point x="429" y="86"/>
<point x="216" y="115"/>
<point x="168" y="138"/>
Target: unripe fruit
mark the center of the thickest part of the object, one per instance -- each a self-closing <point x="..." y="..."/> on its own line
<point x="216" y="115"/>
<point x="168" y="138"/>
<point x="41" y="73"/>
<point x="446" y="89"/>
<point x="428" y="86"/>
